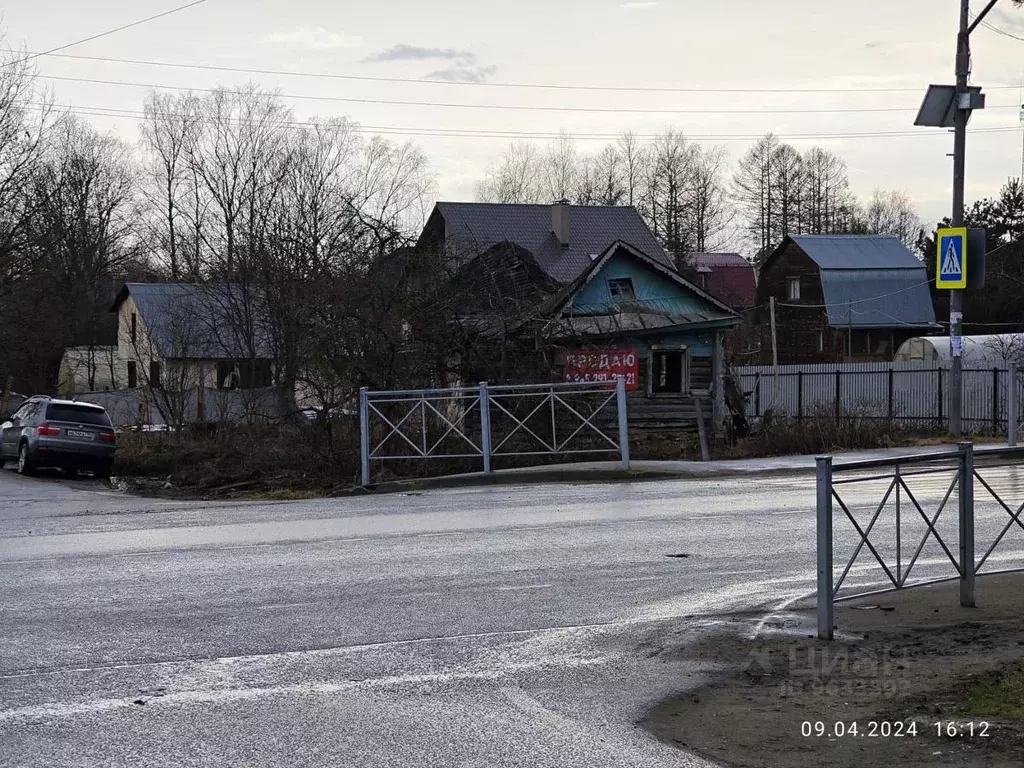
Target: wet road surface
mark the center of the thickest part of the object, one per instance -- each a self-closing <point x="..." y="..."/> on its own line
<point x="513" y="626"/>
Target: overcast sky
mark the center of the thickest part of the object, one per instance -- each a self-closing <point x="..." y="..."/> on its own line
<point x="674" y="44"/>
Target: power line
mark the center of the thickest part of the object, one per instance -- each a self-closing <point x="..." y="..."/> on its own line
<point x="846" y="304"/>
<point x="1002" y="32"/>
<point x="430" y="81"/>
<point x="96" y="111"/>
<point x="522" y="107"/>
<point x="122" y="28"/>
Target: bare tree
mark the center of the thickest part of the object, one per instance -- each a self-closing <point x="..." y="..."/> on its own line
<point x="826" y="190"/>
<point x="892" y="213"/>
<point x="170" y="128"/>
<point x="668" y="192"/>
<point x="709" y="208"/>
<point x="27" y="120"/>
<point x="634" y="157"/>
<point x="754" y="191"/>
<point x="560" y="168"/>
<point x="516" y="178"/>
<point x="787" y="176"/>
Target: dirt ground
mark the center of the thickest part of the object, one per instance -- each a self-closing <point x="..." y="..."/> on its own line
<point x="903" y="667"/>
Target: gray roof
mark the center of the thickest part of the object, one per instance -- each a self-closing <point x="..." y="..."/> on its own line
<point x="878" y="298"/>
<point x="201" y="322"/>
<point x="857" y="252"/>
<point x="477" y="226"/>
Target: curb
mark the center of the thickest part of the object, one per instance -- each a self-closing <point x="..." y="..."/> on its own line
<point x="576" y="476"/>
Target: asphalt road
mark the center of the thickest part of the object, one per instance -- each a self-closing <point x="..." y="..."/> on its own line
<point x="517" y="626"/>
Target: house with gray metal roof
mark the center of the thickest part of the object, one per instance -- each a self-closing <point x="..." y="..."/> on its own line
<point x="842" y="298"/>
<point x="592" y="286"/>
<point x="189" y="334"/>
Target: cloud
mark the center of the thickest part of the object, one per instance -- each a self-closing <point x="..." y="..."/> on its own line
<point x="404" y="52"/>
<point x="306" y="36"/>
<point x="463" y="74"/>
<point x="638" y="4"/>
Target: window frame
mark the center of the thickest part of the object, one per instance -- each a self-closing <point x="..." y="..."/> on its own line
<point x="791" y="283"/>
<point x="620" y="282"/>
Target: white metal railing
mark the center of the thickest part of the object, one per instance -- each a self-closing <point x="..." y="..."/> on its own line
<point x="459" y="422"/>
<point x="967" y="466"/>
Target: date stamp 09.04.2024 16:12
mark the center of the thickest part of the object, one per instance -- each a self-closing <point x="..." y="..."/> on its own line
<point x="874" y="729"/>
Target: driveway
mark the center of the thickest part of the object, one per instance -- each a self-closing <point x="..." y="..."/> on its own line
<point x="512" y="626"/>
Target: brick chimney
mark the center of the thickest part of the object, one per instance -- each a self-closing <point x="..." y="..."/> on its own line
<point x="560" y="221"/>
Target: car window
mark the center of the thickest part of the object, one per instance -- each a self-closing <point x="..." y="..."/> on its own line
<point x="82" y="414"/>
<point x="25" y="412"/>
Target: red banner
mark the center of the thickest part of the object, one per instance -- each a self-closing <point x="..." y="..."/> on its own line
<point x="603" y="365"/>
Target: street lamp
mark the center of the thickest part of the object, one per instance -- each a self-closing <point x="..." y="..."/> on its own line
<point x="951" y="106"/>
<point x="1022" y="144"/>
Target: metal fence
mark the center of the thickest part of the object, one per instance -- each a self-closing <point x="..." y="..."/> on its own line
<point x="911" y="393"/>
<point x="909" y="520"/>
<point x="486" y="422"/>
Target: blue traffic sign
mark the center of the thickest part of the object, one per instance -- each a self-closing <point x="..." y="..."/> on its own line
<point x="951" y="264"/>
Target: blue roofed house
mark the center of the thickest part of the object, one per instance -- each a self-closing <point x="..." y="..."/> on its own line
<point x="842" y="298"/>
<point x="595" y="289"/>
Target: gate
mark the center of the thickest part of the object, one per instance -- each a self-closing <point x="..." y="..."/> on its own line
<point x="982" y="481"/>
<point x="484" y="422"/>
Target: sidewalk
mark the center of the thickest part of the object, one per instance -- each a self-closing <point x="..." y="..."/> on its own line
<point x="910" y="664"/>
<point x="609" y="471"/>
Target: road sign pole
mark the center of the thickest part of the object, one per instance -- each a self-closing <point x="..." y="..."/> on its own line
<point x="956" y="297"/>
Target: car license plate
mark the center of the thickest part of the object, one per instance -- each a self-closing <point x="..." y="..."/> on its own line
<point x="79" y="433"/>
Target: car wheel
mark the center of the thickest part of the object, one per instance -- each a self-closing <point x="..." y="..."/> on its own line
<point x="25" y="465"/>
<point x="104" y="472"/>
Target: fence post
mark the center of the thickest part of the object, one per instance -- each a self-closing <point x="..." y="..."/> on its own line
<point x="839" y="394"/>
<point x="364" y="437"/>
<point x="995" y="401"/>
<point x="485" y="426"/>
<point x="620" y="397"/>
<point x="892" y="389"/>
<point x="826" y="607"/>
<point x="940" y="396"/>
<point x="800" y="396"/>
<point x="1012" y="417"/>
<point x="966" y="524"/>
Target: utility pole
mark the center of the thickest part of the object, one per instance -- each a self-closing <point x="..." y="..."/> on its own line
<point x="1022" y="143"/>
<point x="956" y="297"/>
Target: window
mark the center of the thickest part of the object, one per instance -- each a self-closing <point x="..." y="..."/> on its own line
<point x="255" y="374"/>
<point x="134" y="329"/>
<point x="793" y="289"/>
<point x="133" y="374"/>
<point x="245" y="374"/>
<point x="821" y="341"/>
<point x="78" y="414"/>
<point x="669" y="371"/>
<point x="227" y="376"/>
<point x="621" y="289"/>
<point x="154" y="374"/>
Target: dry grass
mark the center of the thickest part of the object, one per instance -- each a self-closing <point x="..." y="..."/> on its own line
<point x="820" y="433"/>
<point x="284" y="461"/>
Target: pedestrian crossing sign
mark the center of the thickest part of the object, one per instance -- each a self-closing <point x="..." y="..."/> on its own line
<point x="951" y="266"/>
